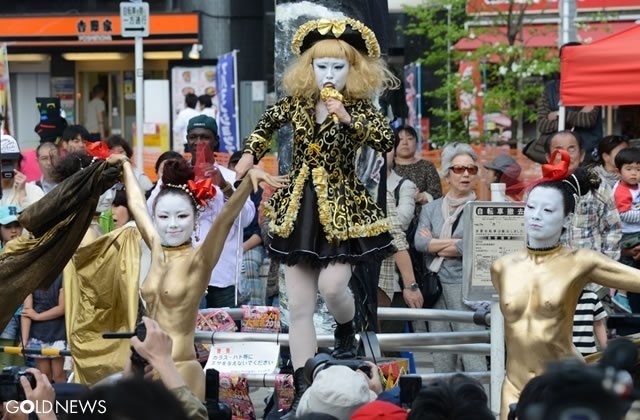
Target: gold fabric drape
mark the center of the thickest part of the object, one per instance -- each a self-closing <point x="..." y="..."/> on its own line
<point x="101" y="295"/>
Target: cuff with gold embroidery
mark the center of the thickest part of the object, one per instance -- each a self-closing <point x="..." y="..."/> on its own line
<point x="257" y="145"/>
<point x="359" y="126"/>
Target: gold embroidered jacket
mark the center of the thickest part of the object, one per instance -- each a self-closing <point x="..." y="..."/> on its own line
<point x="327" y="154"/>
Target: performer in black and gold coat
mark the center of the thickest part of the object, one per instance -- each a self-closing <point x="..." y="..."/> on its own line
<point x="325" y="221"/>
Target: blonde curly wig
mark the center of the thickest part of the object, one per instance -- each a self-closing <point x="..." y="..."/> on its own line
<point x="367" y="76"/>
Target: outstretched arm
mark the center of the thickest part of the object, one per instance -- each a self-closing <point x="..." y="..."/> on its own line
<point x="602" y="270"/>
<point x="138" y="208"/>
<point x="209" y="252"/>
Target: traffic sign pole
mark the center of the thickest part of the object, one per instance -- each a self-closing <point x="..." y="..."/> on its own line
<point x="134" y="21"/>
<point x="139" y="103"/>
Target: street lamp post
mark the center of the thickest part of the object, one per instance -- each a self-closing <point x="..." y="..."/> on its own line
<point x="448" y="7"/>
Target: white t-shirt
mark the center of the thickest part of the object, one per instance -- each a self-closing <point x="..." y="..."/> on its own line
<point x="180" y="125"/>
<point x="94" y="108"/>
<point x="33" y="194"/>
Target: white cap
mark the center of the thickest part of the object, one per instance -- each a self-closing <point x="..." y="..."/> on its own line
<point x="9" y="148"/>
<point x="336" y="390"/>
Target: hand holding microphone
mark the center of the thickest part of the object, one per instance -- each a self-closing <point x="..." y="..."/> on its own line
<point x="329" y="91"/>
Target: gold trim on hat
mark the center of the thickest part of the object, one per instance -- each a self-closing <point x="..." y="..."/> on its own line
<point x="337" y="28"/>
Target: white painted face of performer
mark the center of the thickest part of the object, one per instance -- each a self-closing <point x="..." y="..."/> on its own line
<point x="174" y="219"/>
<point x="331" y="70"/>
<point x="544" y="217"/>
<point x="105" y="200"/>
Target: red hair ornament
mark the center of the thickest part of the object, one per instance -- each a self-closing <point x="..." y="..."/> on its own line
<point x="98" y="150"/>
<point x="201" y="191"/>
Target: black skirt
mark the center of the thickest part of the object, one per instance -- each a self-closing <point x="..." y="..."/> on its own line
<point x="308" y="243"/>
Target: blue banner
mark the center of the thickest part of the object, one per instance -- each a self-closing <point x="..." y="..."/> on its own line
<point x="412" y="94"/>
<point x="227" y="115"/>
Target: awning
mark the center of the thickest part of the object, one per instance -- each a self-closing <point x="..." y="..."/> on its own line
<point x="36" y="33"/>
<point x="603" y="73"/>
<point x="541" y="36"/>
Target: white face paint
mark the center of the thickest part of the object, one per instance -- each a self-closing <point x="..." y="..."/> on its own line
<point x="544" y="217"/>
<point x="331" y="70"/>
<point x="105" y="200"/>
<point x="174" y="219"/>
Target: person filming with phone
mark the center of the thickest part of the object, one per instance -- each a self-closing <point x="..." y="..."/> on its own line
<point x="15" y="189"/>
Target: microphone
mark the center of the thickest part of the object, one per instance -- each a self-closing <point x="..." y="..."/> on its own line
<point x="329" y="91"/>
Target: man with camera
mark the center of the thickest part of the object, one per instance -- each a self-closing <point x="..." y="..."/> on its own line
<point x="359" y="385"/>
<point x="178" y="401"/>
<point x="15" y="189"/>
<point x="42" y="391"/>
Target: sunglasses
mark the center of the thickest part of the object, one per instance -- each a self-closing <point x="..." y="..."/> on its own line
<point x="459" y="169"/>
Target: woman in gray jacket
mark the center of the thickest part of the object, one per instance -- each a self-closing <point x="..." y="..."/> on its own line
<point x="440" y="236"/>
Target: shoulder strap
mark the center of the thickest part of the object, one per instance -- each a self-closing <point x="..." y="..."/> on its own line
<point x="396" y="192"/>
<point x="455" y="224"/>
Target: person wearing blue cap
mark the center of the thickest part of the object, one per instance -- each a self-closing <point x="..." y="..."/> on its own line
<point x="10" y="229"/>
<point x="9" y="226"/>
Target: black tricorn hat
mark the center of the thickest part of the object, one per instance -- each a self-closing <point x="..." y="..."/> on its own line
<point x="349" y="30"/>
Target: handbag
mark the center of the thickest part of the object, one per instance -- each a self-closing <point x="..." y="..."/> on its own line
<point x="431" y="288"/>
<point x="534" y="150"/>
<point x="429" y="283"/>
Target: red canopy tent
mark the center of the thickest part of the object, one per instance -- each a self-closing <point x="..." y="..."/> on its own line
<point x="606" y="72"/>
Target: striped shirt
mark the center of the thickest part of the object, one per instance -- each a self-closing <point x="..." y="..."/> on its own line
<point x="588" y="311"/>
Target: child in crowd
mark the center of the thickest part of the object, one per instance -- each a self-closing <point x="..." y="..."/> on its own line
<point x="120" y="207"/>
<point x="9" y="229"/>
<point x="588" y="324"/>
<point x="43" y="328"/>
<point x="9" y="226"/>
<point x="626" y="195"/>
<point x="42" y="321"/>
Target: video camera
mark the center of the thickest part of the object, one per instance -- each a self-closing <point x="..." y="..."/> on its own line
<point x="10" y="386"/>
<point x="215" y="409"/>
<point x="572" y="390"/>
<point x="322" y="361"/>
<point x="7" y="171"/>
<point x="138" y="362"/>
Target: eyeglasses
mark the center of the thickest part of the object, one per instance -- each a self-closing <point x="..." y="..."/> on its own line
<point x="459" y="169"/>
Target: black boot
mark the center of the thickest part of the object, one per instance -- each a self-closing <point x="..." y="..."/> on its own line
<point x="345" y="341"/>
<point x="300" y="384"/>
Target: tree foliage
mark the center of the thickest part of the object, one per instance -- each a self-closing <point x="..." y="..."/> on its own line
<point x="512" y="70"/>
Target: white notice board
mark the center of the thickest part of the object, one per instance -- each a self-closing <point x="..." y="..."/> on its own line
<point x="491" y="230"/>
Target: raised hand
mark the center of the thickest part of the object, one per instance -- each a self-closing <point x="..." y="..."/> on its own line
<point x="336" y="107"/>
<point x="257" y="176"/>
<point x="244" y="164"/>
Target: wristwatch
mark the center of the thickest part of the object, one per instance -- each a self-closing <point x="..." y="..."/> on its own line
<point x="413" y="287"/>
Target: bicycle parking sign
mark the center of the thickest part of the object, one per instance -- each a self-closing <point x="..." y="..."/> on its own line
<point x="134" y="19"/>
